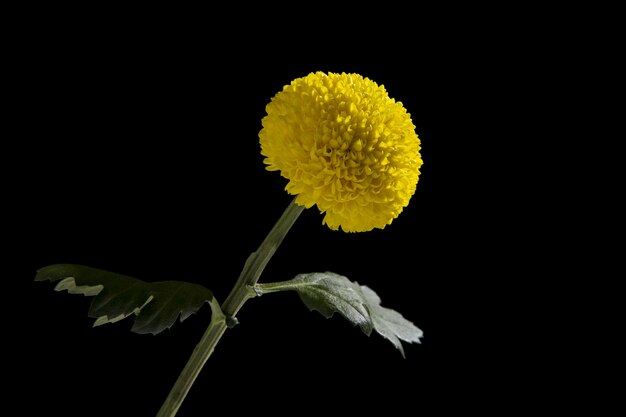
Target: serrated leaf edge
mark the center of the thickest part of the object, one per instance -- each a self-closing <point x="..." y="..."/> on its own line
<point x="69" y="284"/>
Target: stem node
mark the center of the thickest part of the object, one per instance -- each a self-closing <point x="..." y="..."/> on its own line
<point x="244" y="289"/>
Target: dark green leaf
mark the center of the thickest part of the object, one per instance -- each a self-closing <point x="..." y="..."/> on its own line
<point x="328" y="293"/>
<point x="156" y="305"/>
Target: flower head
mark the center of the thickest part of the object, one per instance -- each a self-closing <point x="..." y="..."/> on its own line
<point x="345" y="146"/>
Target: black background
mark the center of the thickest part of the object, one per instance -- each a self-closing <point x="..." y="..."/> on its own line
<point x="138" y="153"/>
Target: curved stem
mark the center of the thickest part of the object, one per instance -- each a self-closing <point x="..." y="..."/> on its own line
<point x="241" y="292"/>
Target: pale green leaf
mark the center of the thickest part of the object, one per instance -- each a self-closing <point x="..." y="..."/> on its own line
<point x="329" y="293"/>
<point x="389" y="323"/>
<point x="156" y="305"/>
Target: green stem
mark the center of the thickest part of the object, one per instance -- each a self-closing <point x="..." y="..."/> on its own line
<point x="198" y="358"/>
<point x="241" y="292"/>
<point x="270" y="287"/>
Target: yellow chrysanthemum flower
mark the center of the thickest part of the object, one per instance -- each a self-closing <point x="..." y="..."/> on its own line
<point x="345" y="146"/>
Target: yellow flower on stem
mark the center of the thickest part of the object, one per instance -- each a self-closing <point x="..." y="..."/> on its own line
<point x="345" y="146"/>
